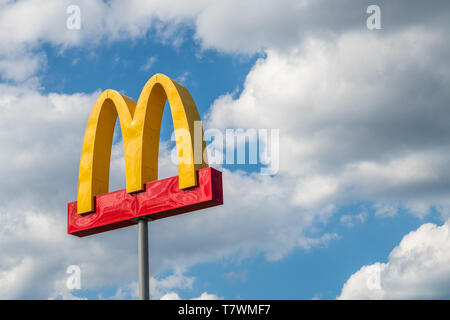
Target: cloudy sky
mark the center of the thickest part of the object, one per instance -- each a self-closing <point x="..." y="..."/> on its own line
<point x="359" y="207"/>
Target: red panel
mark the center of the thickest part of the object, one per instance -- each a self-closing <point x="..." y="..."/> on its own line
<point x="160" y="199"/>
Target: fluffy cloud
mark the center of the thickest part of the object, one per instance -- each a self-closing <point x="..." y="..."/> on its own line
<point x="225" y="25"/>
<point x="39" y="164"/>
<point x="229" y="26"/>
<point x="363" y="117"/>
<point x="203" y="296"/>
<point x="160" y="289"/>
<point x="26" y="25"/>
<point x="247" y="27"/>
<point x="416" y="269"/>
<point x="351" y="220"/>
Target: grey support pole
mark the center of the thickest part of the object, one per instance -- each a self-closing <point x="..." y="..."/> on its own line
<point x="144" y="292"/>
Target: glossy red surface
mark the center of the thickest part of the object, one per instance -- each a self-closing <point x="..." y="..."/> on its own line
<point x="160" y="199"/>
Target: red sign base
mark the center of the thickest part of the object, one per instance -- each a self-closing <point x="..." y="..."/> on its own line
<point x="160" y="199"/>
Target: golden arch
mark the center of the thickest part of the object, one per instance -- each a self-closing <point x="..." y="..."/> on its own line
<point x="140" y="124"/>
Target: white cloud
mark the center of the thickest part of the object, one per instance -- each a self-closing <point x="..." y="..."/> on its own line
<point x="248" y="27"/>
<point x="26" y="25"/>
<point x="236" y="276"/>
<point x="22" y="66"/>
<point x="171" y="296"/>
<point x="358" y="117"/>
<point x="203" y="296"/>
<point x="385" y="209"/>
<point x="183" y="77"/>
<point x="418" y="268"/>
<point x="36" y="252"/>
<point x="316" y="190"/>
<point x="207" y="296"/>
<point x="229" y="26"/>
<point x="350" y="220"/>
<point x="162" y="287"/>
<point x="40" y="163"/>
<point x="39" y="132"/>
<point x="148" y="64"/>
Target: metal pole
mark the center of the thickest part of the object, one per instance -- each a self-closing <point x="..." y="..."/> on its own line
<point x="144" y="292"/>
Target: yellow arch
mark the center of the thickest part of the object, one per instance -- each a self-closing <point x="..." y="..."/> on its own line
<point x="140" y="124"/>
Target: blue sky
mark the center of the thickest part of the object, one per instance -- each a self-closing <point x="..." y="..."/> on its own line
<point x="363" y="126"/>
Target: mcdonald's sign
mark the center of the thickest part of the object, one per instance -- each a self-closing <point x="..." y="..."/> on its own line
<point x="197" y="186"/>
